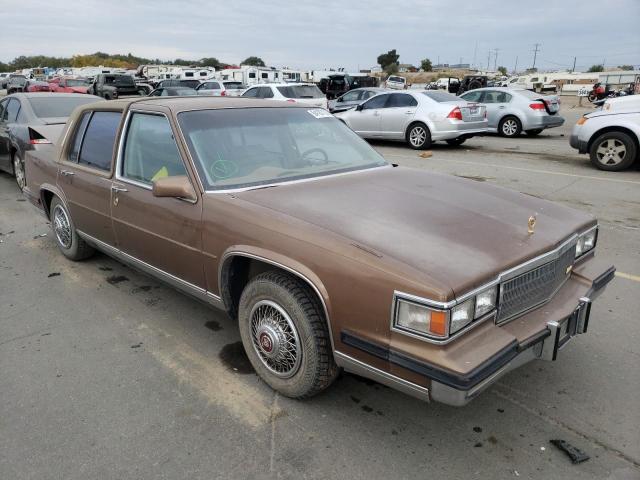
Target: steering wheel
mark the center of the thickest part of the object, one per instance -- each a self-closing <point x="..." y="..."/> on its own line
<point x="308" y="156"/>
<point x="222" y="169"/>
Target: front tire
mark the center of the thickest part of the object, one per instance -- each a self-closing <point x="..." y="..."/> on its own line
<point x="285" y="335"/>
<point x="510" y="127"/>
<point x="66" y="236"/>
<point x="613" y="151"/>
<point x="418" y="136"/>
<point x="18" y="171"/>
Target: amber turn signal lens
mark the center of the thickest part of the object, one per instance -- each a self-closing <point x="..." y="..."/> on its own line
<point x="438" y="323"/>
<point x="582" y="120"/>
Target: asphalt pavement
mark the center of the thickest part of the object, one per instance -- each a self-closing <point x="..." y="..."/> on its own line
<point x="106" y="373"/>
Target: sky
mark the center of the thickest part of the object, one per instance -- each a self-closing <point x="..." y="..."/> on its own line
<point x="322" y="34"/>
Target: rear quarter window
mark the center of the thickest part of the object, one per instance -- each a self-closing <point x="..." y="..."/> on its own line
<point x="99" y="139"/>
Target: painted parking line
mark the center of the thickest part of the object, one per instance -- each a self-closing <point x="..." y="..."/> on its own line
<point x="530" y="170"/>
<point x="628" y="276"/>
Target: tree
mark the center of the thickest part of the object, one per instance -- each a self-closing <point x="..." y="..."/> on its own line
<point x="391" y="68"/>
<point x="503" y="70"/>
<point x="625" y="67"/>
<point x="426" y="65"/>
<point x="389" y="58"/>
<point x="210" y="62"/>
<point x="596" y="68"/>
<point x="254" y="62"/>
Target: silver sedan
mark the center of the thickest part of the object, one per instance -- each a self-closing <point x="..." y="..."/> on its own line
<point x="511" y="111"/>
<point x="353" y="98"/>
<point x="419" y="118"/>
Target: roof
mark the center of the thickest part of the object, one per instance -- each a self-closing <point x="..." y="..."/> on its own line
<point x="47" y="94"/>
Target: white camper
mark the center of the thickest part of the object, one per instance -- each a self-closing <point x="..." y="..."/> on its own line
<point x="249" y="75"/>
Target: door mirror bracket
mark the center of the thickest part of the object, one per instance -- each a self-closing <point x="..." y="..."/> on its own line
<point x="177" y="186"/>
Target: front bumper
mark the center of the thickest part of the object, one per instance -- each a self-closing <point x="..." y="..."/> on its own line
<point x="577" y="143"/>
<point x="544" y="345"/>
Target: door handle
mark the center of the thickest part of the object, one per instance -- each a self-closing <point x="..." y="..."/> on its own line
<point x="66" y="173"/>
<point x="501" y="107"/>
<point x="118" y="189"/>
<point x="409" y="112"/>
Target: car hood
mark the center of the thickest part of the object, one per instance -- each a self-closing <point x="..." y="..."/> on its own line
<point x="456" y="231"/>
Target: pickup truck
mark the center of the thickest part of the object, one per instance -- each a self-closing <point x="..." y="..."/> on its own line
<point x="328" y="256"/>
<point x="111" y="86"/>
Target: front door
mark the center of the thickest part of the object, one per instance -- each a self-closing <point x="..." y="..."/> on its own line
<point x="397" y="114"/>
<point x="84" y="173"/>
<point x="164" y="233"/>
<point x="5" y="160"/>
<point x="366" y="121"/>
<point x="496" y="103"/>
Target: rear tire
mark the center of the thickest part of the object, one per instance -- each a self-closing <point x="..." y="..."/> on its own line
<point x="455" y="142"/>
<point x="613" y="151"/>
<point x="18" y="171"/>
<point x="285" y="335"/>
<point x="510" y="127"/>
<point x="533" y="133"/>
<point x="66" y="236"/>
<point x="418" y="136"/>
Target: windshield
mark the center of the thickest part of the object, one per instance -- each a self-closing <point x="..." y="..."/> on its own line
<point x="53" y="107"/>
<point x="440" y="96"/>
<point x="301" y="91"/>
<point x="123" y="80"/>
<point x="396" y="79"/>
<point x="77" y="83"/>
<point x="245" y="147"/>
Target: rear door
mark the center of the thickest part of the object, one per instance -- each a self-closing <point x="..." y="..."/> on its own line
<point x="366" y="122"/>
<point x="162" y="232"/>
<point x="397" y="114"/>
<point x="85" y="170"/>
<point x="496" y="103"/>
<point x="5" y="161"/>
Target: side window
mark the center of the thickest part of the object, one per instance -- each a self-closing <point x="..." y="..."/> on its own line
<point x="266" y="92"/>
<point x="11" y="113"/>
<point x="265" y="75"/>
<point x="503" y="97"/>
<point x="213" y="86"/>
<point x="252" y="93"/>
<point x="3" y="106"/>
<point x="150" y="150"/>
<point x="490" y="97"/>
<point x="252" y="74"/>
<point x="99" y="139"/>
<point x="351" y="96"/>
<point x="78" y="136"/>
<point x="397" y="100"/>
<point x="375" y="102"/>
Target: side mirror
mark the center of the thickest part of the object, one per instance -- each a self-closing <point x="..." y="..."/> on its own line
<point x="177" y="186"/>
<point x="359" y="107"/>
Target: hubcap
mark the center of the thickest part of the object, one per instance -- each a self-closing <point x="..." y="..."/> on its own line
<point x="18" y="168"/>
<point x="62" y="226"/>
<point x="418" y="136"/>
<point x="510" y="127"/>
<point x="611" y="152"/>
<point x="275" y="339"/>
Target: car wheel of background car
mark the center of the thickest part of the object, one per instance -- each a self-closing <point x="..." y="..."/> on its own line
<point x="533" y="133"/>
<point x="285" y="335"/>
<point x="419" y="136"/>
<point x="474" y="84"/>
<point x="107" y="96"/>
<point x="69" y="242"/>
<point x="456" y="141"/>
<point x="18" y="170"/>
<point x="613" y="151"/>
<point x="510" y="127"/>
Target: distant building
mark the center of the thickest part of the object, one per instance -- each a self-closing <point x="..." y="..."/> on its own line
<point x="406" y="67"/>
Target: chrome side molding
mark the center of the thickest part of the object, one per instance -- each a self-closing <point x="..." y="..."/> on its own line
<point x="176" y="282"/>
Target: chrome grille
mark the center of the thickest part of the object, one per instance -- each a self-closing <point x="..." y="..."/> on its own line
<point x="534" y="286"/>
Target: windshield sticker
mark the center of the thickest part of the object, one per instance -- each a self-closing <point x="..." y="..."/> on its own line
<point x="319" y="113"/>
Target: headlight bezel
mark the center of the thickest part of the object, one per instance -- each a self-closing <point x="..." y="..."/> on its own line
<point x="447" y="308"/>
<point x="591" y="233"/>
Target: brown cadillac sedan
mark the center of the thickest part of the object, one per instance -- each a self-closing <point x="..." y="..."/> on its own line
<point x="327" y="256"/>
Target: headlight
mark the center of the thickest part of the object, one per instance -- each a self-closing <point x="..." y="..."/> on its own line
<point x="586" y="242"/>
<point x="439" y="324"/>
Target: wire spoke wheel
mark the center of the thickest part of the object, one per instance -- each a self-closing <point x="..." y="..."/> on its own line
<point x="62" y="226"/>
<point x="275" y="339"/>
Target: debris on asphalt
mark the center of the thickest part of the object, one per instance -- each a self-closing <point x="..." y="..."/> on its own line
<point x="426" y="154"/>
<point x="137" y="345"/>
<point x="115" y="279"/>
<point x="575" y="454"/>
<point x="40" y="235"/>
<point x="53" y="274"/>
<point x="477" y="429"/>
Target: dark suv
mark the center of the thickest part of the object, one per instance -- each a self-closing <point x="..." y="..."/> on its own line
<point x="112" y="85"/>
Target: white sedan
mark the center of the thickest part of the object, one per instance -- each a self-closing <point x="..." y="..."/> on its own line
<point x="304" y="93"/>
<point x="419" y="118"/>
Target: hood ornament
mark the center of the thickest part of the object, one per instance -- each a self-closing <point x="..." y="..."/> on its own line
<point x="531" y="224"/>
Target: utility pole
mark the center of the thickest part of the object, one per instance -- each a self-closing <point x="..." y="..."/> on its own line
<point x="535" y="54"/>
<point x="495" y="61"/>
<point x="475" y="51"/>
<point x="574" y="64"/>
<point x="515" y="68"/>
<point x="488" y="60"/>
